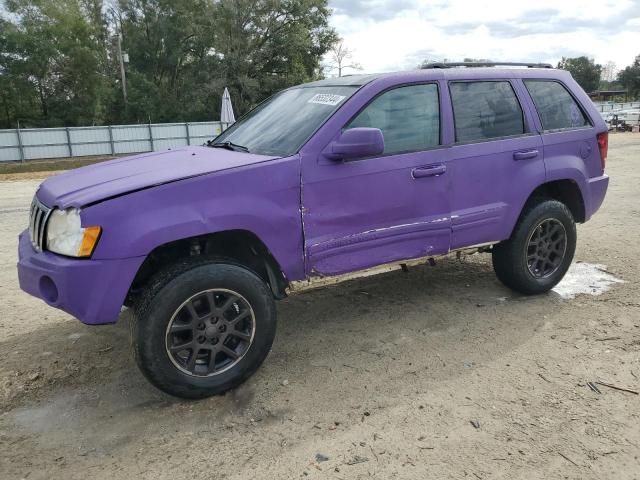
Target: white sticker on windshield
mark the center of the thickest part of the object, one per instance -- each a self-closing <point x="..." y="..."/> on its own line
<point x="326" y="99"/>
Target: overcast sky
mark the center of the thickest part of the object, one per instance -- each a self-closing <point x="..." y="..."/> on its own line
<point x="387" y="35"/>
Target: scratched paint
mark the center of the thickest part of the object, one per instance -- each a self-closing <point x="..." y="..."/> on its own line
<point x="586" y="279"/>
<point x="395" y="227"/>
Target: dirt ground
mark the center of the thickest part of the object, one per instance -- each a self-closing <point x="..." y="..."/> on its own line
<point x="20" y="170"/>
<point x="439" y="373"/>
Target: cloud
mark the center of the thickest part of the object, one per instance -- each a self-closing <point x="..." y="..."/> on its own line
<point x="550" y="21"/>
<point x="376" y="10"/>
<point x="397" y="35"/>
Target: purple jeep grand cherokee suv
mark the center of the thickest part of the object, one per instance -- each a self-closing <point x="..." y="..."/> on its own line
<point x="320" y="183"/>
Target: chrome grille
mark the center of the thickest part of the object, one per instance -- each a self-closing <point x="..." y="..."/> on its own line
<point x="37" y="224"/>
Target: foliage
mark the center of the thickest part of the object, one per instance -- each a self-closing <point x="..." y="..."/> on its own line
<point x="630" y="77"/>
<point x="264" y="46"/>
<point x="51" y="64"/>
<point x="59" y="62"/>
<point x="584" y="71"/>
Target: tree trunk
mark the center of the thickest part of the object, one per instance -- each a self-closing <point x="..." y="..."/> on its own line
<point x="43" y="102"/>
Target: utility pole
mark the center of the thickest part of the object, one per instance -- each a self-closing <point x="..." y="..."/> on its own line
<point x="122" y="62"/>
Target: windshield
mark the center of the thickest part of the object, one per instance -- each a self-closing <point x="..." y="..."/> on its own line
<point x="284" y="122"/>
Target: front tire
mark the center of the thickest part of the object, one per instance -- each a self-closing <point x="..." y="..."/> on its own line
<point x="202" y="327"/>
<point x="540" y="250"/>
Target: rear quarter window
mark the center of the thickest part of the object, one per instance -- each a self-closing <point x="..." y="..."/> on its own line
<point x="485" y="110"/>
<point x="556" y="107"/>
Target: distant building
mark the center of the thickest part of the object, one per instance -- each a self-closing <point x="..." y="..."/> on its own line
<point x="604" y="95"/>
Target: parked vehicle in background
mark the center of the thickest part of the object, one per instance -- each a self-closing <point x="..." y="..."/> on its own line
<point x="321" y="183"/>
<point x="623" y="121"/>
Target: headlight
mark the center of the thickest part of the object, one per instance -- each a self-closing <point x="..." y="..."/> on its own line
<point x="66" y="236"/>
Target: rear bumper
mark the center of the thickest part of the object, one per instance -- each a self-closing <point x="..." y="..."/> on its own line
<point x="93" y="291"/>
<point x="597" y="190"/>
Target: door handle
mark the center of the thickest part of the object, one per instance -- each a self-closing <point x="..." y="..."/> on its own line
<point x="525" y="154"/>
<point x="428" y="171"/>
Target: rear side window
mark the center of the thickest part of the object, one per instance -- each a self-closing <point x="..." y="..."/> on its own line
<point x="485" y="110"/>
<point x="556" y="107"/>
<point x="409" y="118"/>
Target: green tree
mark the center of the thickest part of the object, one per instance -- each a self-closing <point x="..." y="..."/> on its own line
<point x="18" y="98"/>
<point x="59" y="64"/>
<point x="53" y="57"/>
<point x="184" y="52"/>
<point x="267" y="45"/>
<point x="630" y="77"/>
<point x="167" y="45"/>
<point x="584" y="71"/>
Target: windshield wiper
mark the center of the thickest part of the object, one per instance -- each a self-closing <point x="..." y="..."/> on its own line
<point x="229" y="146"/>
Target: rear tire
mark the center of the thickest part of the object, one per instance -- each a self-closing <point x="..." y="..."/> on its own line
<point x="540" y="250"/>
<point x="202" y="327"/>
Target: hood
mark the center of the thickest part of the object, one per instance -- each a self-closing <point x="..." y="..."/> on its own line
<point x="86" y="185"/>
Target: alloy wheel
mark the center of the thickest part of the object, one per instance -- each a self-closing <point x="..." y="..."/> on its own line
<point x="546" y="248"/>
<point x="210" y="332"/>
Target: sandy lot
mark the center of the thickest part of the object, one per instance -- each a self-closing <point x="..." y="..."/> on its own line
<point x="379" y="378"/>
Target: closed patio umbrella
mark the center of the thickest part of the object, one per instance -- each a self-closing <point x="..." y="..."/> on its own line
<point x="226" y="113"/>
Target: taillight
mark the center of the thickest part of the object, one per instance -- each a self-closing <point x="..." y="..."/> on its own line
<point x="603" y="145"/>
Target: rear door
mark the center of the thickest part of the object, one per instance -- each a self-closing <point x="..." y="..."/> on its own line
<point x="496" y="160"/>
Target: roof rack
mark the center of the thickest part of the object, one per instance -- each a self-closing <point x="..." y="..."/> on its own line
<point x="486" y="64"/>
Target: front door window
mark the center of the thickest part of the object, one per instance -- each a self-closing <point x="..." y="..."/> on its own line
<point x="409" y="118"/>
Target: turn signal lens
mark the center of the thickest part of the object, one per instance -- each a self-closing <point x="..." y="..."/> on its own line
<point x="89" y="241"/>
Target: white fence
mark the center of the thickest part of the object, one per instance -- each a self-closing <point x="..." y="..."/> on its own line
<point x="606" y="107"/>
<point x="34" y="143"/>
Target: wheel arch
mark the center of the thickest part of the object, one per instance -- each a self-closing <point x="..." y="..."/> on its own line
<point x="239" y="247"/>
<point x="566" y="191"/>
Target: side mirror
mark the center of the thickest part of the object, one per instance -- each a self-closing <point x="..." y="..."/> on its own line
<point x="356" y="143"/>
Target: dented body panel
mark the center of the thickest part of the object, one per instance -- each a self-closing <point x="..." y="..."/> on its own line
<point x="316" y="281"/>
<point x="199" y="205"/>
<point x="209" y="203"/>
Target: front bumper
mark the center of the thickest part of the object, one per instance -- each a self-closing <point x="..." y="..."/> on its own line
<point x="93" y="291"/>
<point x="597" y="190"/>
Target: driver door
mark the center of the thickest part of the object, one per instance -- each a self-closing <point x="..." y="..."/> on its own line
<point x="395" y="206"/>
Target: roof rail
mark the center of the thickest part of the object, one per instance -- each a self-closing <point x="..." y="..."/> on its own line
<point x="486" y="64"/>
